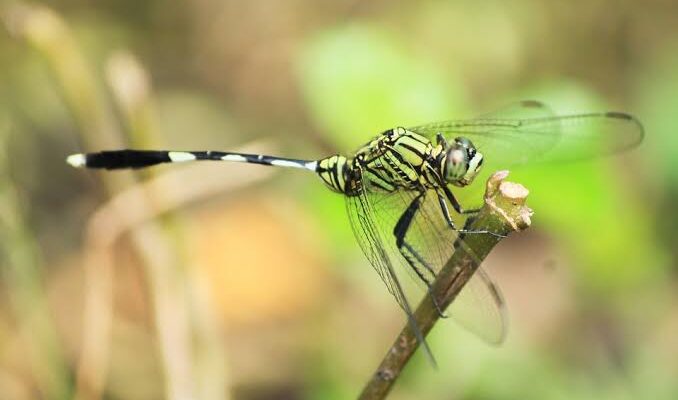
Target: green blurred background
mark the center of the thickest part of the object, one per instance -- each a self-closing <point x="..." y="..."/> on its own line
<point x="237" y="281"/>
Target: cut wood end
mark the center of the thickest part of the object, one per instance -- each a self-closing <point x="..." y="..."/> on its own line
<point x="508" y="200"/>
<point x="524" y="218"/>
<point x="514" y="191"/>
<point x="493" y="183"/>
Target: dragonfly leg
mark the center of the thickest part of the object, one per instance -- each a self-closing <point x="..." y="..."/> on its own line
<point x="472" y="211"/>
<point x="440" y="140"/>
<point x="453" y="200"/>
<point x="427" y="280"/>
<point x="446" y="211"/>
<point x="409" y="253"/>
<point x="457" y="207"/>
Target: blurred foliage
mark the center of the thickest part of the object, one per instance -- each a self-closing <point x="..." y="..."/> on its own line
<point x="265" y="292"/>
<point x="378" y="83"/>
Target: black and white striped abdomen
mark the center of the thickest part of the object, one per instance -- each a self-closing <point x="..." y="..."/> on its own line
<point x="125" y="159"/>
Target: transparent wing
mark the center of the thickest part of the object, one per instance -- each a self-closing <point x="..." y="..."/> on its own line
<point x="528" y="131"/>
<point x="480" y="307"/>
<point x="369" y="238"/>
<point x="526" y="109"/>
<point x="371" y="241"/>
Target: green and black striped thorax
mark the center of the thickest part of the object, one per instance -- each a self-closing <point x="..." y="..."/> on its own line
<point x="396" y="159"/>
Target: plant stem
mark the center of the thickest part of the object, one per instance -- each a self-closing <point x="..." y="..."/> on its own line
<point x="504" y="212"/>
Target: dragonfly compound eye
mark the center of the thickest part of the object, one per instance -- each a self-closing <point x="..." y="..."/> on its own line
<point x="474" y="166"/>
<point x="463" y="162"/>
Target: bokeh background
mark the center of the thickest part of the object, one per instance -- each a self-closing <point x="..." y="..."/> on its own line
<point x="244" y="282"/>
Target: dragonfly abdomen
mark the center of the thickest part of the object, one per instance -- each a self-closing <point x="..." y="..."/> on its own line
<point x="123" y="159"/>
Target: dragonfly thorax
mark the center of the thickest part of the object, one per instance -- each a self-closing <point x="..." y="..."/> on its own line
<point x="462" y="162"/>
<point x="400" y="159"/>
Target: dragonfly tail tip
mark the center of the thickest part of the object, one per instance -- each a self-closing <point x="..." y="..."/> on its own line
<point x="77" y="160"/>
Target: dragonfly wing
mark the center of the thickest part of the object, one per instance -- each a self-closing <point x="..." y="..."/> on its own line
<point x="481" y="308"/>
<point x="369" y="238"/>
<point x="372" y="241"/>
<point x="529" y="132"/>
<point x="526" y="109"/>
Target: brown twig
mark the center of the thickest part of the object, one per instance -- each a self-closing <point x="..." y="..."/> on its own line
<point x="504" y="212"/>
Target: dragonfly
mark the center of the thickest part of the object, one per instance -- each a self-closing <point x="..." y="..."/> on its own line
<point x="400" y="190"/>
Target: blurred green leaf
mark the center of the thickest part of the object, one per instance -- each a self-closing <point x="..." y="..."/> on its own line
<point x="359" y="81"/>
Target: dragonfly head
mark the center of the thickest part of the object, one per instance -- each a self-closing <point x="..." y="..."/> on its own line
<point x="463" y="162"/>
